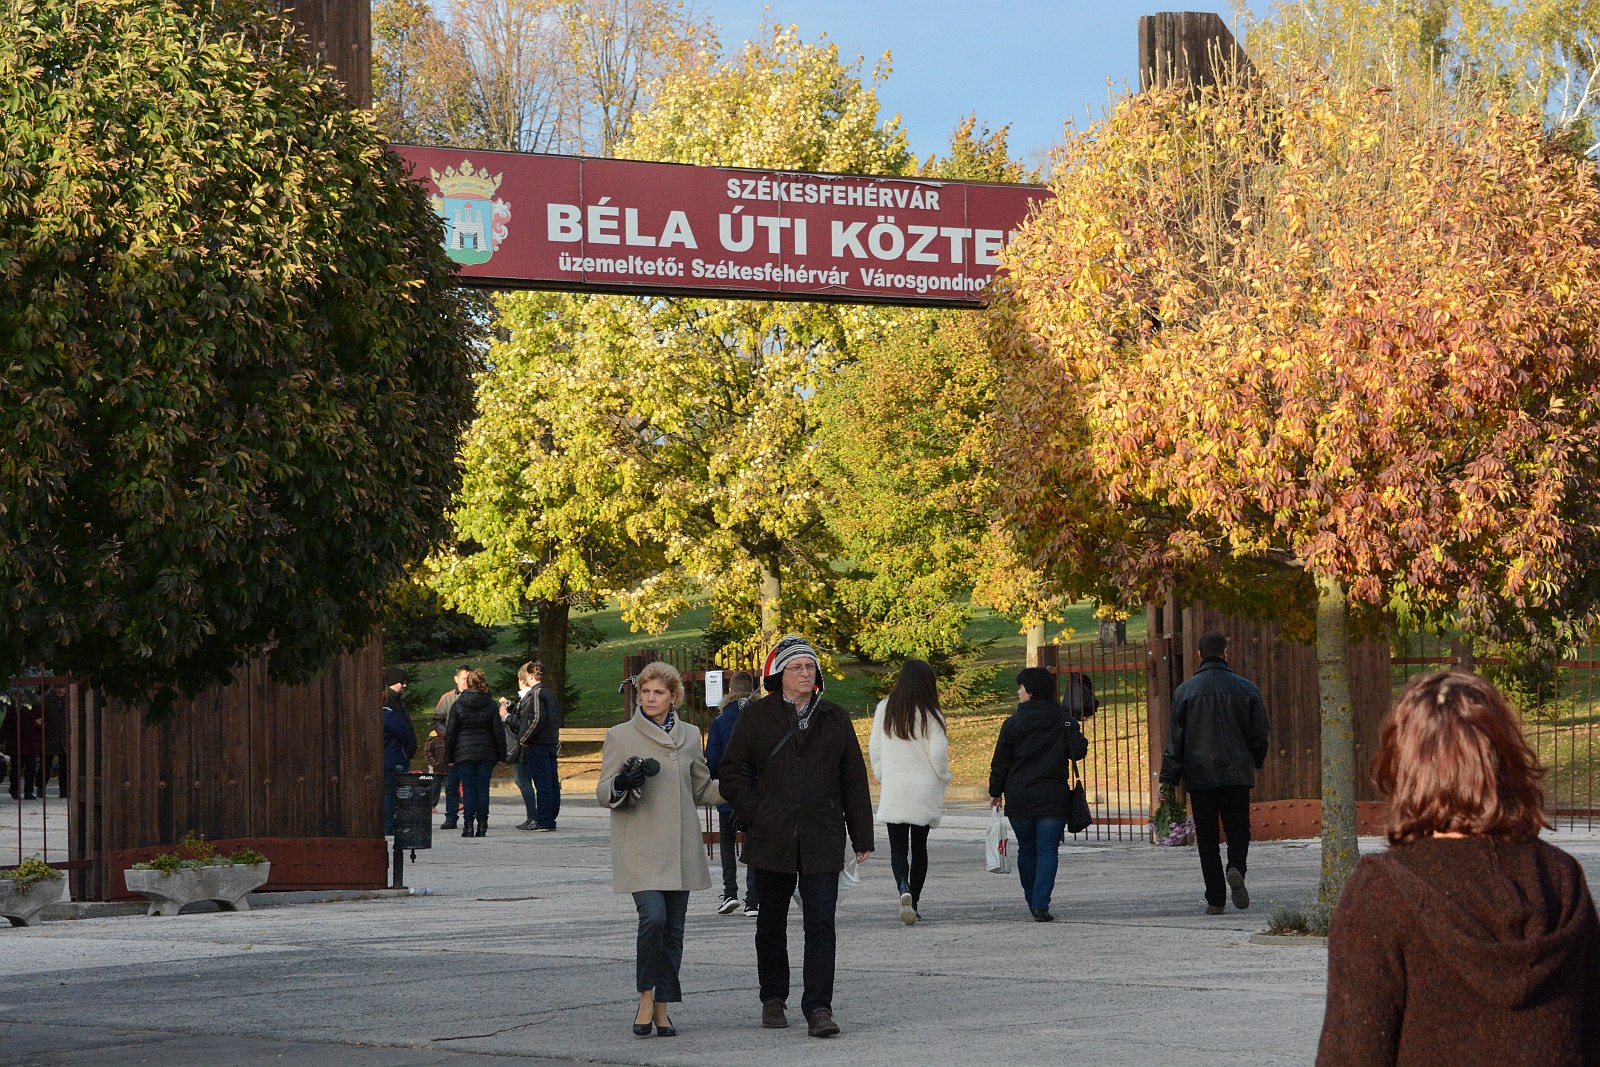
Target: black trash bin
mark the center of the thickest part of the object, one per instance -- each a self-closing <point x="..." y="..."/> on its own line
<point x="413" y="810"/>
<point x="413" y="819"/>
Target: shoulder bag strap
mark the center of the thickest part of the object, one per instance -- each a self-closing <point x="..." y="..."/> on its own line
<point x="779" y="746"/>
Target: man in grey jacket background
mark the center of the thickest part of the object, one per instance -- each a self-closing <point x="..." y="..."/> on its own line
<point x="1216" y="742"/>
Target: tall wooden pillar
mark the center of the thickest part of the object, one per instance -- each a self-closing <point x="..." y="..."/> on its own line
<point x="339" y="34"/>
<point x="1186" y="48"/>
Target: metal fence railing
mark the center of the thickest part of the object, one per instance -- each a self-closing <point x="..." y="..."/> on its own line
<point x="34" y="746"/>
<point x="1558" y="699"/>
<point x="1117" y="769"/>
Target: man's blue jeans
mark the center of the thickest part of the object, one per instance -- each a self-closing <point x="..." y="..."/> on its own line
<point x="522" y="774"/>
<point x="1038" y="837"/>
<point x="541" y="763"/>
<point x="452" y="794"/>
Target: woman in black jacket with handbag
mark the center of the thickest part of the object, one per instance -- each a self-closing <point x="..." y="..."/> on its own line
<point x="474" y="743"/>
<point x="1029" y="773"/>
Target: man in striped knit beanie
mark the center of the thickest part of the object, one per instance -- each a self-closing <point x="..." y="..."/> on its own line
<point x="794" y="775"/>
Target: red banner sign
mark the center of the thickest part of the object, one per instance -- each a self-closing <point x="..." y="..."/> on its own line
<point x="525" y="221"/>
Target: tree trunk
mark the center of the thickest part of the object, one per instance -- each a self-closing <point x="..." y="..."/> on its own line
<point x="1339" y="847"/>
<point x="553" y="619"/>
<point x="771" y="593"/>
<point x="1035" y="642"/>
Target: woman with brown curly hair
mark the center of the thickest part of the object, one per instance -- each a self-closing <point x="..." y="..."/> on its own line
<point x="1470" y="940"/>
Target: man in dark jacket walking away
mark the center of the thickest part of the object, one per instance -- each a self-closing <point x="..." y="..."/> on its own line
<point x="1216" y="742"/>
<point x="794" y="773"/>
<point x="1029" y="772"/>
<point x="399" y="741"/>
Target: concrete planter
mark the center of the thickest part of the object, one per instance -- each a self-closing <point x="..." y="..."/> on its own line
<point x="227" y="884"/>
<point x="23" y="908"/>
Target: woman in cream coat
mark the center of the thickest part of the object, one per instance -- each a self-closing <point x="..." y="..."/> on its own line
<point x="911" y="760"/>
<point x="656" y="853"/>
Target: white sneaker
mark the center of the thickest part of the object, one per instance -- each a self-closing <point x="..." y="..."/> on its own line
<point x="908" y="913"/>
<point x="728" y="906"/>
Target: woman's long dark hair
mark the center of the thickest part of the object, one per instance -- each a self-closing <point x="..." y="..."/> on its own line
<point x="913" y="701"/>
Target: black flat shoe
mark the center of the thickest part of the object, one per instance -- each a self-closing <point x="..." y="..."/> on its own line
<point x="666" y="1029"/>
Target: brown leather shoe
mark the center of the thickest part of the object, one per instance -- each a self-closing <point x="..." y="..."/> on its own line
<point x="773" y="1015"/>
<point x="821" y="1024"/>
<point x="1215" y="909"/>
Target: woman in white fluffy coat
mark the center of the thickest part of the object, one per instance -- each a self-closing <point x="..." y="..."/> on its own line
<point x="911" y="760"/>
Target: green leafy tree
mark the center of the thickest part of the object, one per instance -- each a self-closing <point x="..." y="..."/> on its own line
<point x="546" y="512"/>
<point x="1339" y="336"/>
<point x="731" y="429"/>
<point x="677" y="434"/>
<point x="234" y="361"/>
<point x="903" y="441"/>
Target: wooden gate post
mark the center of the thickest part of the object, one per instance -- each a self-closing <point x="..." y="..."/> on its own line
<point x="1186" y="48"/>
<point x="339" y="34"/>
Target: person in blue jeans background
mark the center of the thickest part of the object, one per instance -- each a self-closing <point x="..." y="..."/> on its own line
<point x="539" y="755"/>
<point x="474" y="742"/>
<point x="452" y="782"/>
<point x="536" y="715"/>
<point x="741" y="687"/>
<point x="1028" y="774"/>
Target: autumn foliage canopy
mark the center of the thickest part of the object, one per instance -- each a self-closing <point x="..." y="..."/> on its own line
<point x="1267" y="332"/>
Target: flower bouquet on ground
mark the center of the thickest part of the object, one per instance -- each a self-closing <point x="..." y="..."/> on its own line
<point x="1170" y="823"/>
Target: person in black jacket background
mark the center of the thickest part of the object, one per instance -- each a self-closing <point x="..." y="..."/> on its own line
<point x="1029" y="775"/>
<point x="1215" y="743"/>
<point x="536" y="718"/>
<point x="474" y="742"/>
<point x="399" y="740"/>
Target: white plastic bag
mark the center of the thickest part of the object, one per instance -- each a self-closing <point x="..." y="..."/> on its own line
<point x="997" y="844"/>
<point x="849" y="877"/>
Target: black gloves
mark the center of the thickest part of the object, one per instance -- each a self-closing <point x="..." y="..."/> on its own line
<point x="630" y="777"/>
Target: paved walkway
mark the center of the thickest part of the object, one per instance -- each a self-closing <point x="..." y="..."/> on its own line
<point x="521" y="951"/>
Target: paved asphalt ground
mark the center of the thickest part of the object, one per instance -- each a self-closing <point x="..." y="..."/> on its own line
<point x="523" y="953"/>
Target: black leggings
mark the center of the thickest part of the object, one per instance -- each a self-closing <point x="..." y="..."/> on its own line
<point x="903" y="838"/>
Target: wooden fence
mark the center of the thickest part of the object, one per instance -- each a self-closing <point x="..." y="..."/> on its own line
<point x="692" y="664"/>
<point x="294" y="771"/>
<point x="1559" y="702"/>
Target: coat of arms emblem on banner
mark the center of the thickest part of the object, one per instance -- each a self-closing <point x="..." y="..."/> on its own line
<point x="474" y="221"/>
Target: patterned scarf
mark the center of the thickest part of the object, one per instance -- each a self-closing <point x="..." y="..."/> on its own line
<point x="804" y="714"/>
<point x="665" y="725"/>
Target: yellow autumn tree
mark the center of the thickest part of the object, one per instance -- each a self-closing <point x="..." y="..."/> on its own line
<point x="1283" y="333"/>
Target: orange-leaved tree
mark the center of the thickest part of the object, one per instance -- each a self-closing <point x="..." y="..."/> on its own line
<point x="1283" y="333"/>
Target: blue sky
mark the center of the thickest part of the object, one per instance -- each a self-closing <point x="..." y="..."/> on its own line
<point x="1031" y="63"/>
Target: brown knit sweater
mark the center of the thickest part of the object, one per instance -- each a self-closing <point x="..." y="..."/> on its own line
<point x="1464" y="951"/>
